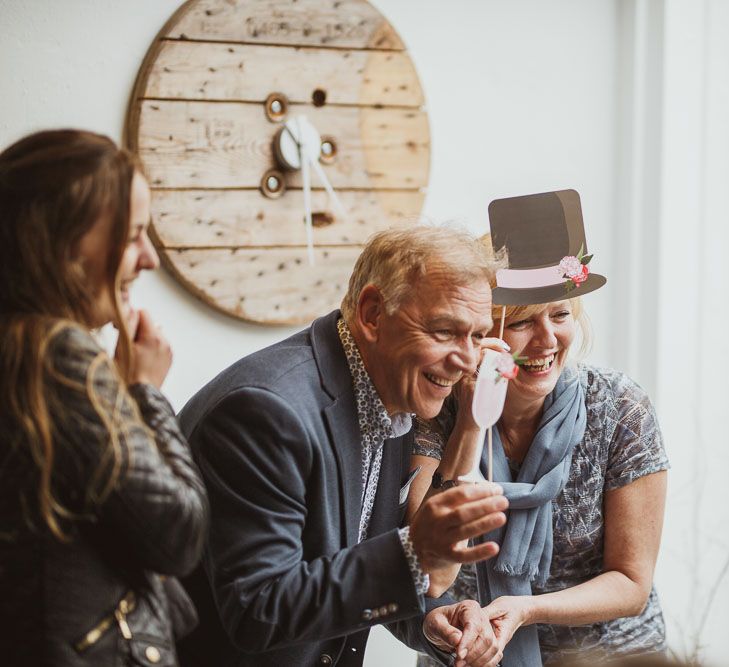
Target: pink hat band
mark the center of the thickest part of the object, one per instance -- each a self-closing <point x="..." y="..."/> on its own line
<point x="528" y="278"/>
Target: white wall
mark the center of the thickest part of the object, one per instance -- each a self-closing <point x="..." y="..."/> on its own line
<point x="693" y="316"/>
<point x="624" y="100"/>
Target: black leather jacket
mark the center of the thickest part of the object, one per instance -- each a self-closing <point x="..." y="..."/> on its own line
<point x="98" y="599"/>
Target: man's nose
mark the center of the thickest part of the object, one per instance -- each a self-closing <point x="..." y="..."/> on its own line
<point x="466" y="356"/>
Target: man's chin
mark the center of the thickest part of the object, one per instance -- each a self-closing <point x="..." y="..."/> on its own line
<point x="429" y="410"/>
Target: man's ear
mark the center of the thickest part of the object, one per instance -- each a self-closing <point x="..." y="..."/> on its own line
<point x="369" y="313"/>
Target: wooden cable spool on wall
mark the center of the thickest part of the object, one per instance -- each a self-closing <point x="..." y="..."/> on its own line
<point x="207" y="116"/>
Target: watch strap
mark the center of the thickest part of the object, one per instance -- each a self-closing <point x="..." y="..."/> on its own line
<point x="443" y="484"/>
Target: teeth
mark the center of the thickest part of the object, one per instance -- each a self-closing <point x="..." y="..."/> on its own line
<point x="545" y="362"/>
<point x="441" y="382"/>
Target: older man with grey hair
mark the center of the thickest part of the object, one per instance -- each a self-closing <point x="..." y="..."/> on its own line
<point x="305" y="447"/>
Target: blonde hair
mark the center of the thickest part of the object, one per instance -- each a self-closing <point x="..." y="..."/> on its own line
<point x="393" y="260"/>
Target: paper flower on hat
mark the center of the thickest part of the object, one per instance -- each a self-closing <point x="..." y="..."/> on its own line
<point x="574" y="269"/>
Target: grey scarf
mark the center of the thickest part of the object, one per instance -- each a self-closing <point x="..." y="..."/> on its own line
<point x="526" y="540"/>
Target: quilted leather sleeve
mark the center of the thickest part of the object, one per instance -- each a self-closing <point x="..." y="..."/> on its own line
<point x="158" y="509"/>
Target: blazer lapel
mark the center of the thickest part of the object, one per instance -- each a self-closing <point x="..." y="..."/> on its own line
<point x="341" y="418"/>
<point x="348" y="450"/>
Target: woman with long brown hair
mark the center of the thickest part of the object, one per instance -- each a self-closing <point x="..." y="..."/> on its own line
<point x="98" y="492"/>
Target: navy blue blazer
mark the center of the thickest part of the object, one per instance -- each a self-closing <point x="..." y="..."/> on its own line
<point x="277" y="439"/>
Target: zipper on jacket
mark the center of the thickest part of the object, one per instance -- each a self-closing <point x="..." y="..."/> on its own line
<point x="120" y="613"/>
<point x="126" y="606"/>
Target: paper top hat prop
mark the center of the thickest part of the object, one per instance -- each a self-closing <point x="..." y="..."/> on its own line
<point x="544" y="237"/>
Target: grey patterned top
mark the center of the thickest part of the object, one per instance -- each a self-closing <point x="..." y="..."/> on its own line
<point x="622" y="443"/>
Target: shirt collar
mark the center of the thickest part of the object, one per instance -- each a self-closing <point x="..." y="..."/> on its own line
<point x="374" y="421"/>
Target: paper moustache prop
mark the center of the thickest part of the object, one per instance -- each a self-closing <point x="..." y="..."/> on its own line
<point x="489" y="394"/>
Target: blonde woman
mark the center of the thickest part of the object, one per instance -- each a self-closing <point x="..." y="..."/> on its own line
<point x="578" y="451"/>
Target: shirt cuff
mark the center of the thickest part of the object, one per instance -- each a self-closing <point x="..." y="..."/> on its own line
<point x="420" y="578"/>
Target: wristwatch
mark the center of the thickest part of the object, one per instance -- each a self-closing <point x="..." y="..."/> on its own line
<point x="443" y="484"/>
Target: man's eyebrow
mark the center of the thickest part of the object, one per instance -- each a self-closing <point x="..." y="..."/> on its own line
<point x="446" y="320"/>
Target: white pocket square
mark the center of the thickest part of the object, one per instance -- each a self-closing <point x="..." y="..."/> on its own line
<point x="406" y="487"/>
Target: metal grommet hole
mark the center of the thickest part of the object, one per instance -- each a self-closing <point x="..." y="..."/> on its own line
<point x="277" y="106"/>
<point x="328" y="153"/>
<point x="273" y="184"/>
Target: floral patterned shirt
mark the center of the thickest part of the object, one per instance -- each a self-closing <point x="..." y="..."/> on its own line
<point x="622" y="443"/>
<point x="376" y="426"/>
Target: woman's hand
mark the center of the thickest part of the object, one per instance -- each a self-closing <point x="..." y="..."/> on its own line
<point x="463" y="629"/>
<point x="507" y="614"/>
<point x="152" y="356"/>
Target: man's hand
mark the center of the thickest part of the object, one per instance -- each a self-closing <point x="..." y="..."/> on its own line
<point x="445" y="521"/>
<point x="507" y="614"/>
<point x="464" y="630"/>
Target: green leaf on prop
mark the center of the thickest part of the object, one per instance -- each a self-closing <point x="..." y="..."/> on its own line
<point x="569" y="285"/>
<point x="586" y="259"/>
<point x="518" y="360"/>
<point x="581" y="252"/>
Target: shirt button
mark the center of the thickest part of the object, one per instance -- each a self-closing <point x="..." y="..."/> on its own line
<point x="152" y="654"/>
<point x="393" y="607"/>
<point x="383" y="610"/>
<point x="367" y="615"/>
<point x="375" y="613"/>
<point x="325" y="659"/>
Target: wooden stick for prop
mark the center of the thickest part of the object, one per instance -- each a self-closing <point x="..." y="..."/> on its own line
<point x="491" y="442"/>
<point x="491" y="457"/>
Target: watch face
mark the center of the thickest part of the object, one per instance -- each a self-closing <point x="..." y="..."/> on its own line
<point x="220" y="81"/>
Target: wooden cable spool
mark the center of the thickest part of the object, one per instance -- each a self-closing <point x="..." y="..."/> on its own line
<point x="210" y="98"/>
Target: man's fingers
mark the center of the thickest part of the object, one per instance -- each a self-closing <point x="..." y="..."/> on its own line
<point x="488" y="659"/>
<point x="485" y="524"/>
<point x="478" y="643"/>
<point x="440" y="632"/>
<point x="475" y="655"/>
<point x="474" y="511"/>
<point x="469" y="636"/>
<point x="465" y="493"/>
<point x="469" y="511"/>
<point x="476" y="553"/>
